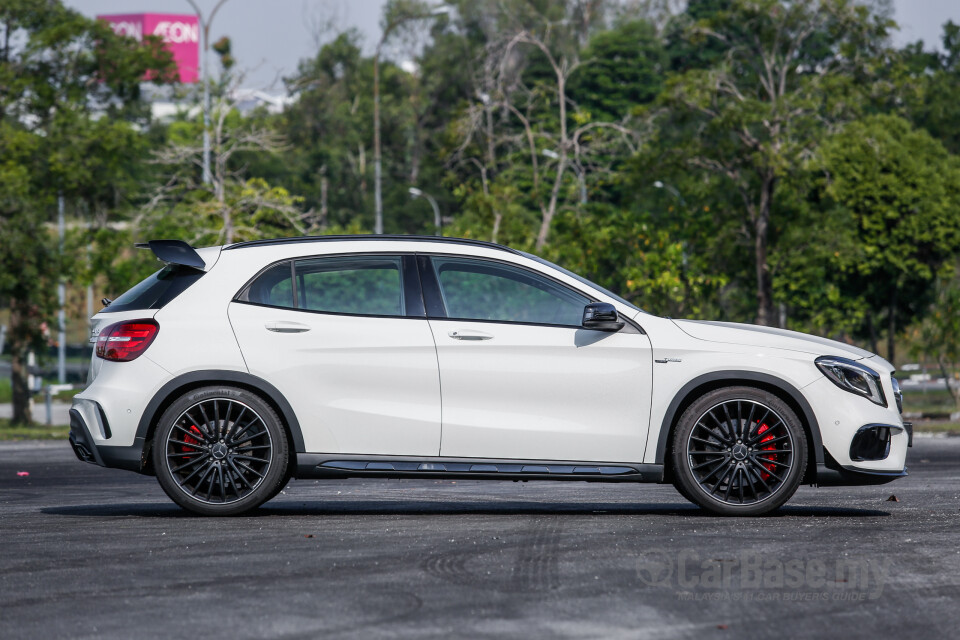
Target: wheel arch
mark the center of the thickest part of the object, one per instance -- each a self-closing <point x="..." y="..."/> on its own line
<point x="173" y="389"/>
<point x="719" y="379"/>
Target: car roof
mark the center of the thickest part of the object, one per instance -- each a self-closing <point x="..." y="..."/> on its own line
<point x="370" y="238"/>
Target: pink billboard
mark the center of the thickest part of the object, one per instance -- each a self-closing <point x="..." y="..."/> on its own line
<point x="180" y="32"/>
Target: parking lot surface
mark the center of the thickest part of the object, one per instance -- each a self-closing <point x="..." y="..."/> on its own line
<point x="87" y="552"/>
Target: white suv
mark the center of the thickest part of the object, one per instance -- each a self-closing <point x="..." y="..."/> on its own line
<point x="235" y="368"/>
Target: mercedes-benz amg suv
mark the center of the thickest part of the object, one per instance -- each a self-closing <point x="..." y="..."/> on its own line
<point x="232" y="369"/>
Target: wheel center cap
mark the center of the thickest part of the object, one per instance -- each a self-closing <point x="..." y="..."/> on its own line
<point x="740" y="452"/>
<point x="219" y="451"/>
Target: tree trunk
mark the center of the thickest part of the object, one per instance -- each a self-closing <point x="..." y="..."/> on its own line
<point x="953" y="391"/>
<point x="417" y="146"/>
<point x="872" y="330"/>
<point x="227" y="224"/>
<point x="362" y="169"/>
<point x="892" y="326"/>
<point x="324" y="194"/>
<point x="766" y="315"/>
<point x="19" y="347"/>
<point x="551" y="208"/>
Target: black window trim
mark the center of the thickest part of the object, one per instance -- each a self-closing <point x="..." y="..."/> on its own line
<point x="409" y="277"/>
<point x="433" y="300"/>
<point x="417" y="272"/>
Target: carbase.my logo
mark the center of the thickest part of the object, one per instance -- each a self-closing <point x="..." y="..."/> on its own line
<point x="750" y="570"/>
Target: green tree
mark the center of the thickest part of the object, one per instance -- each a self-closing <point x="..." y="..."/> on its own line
<point x="625" y="67"/>
<point x="331" y="124"/>
<point x="56" y="69"/>
<point x="751" y="119"/>
<point x="938" y="73"/>
<point x="645" y="264"/>
<point x="902" y="189"/>
<point x="230" y="206"/>
<point x="938" y="335"/>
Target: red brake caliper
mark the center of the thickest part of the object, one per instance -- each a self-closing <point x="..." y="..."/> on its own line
<point x="767" y="438"/>
<point x="191" y="441"/>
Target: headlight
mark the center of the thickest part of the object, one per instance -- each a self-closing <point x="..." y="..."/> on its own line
<point x="853" y="377"/>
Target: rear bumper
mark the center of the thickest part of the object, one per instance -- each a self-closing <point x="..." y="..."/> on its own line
<point x="132" y="458"/>
<point x="81" y="441"/>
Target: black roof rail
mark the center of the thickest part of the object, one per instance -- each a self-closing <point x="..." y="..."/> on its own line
<point x="298" y="239"/>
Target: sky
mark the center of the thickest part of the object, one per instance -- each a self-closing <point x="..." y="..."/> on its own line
<point x="271" y="36"/>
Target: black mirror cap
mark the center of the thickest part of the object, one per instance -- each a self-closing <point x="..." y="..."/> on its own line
<point x="601" y="316"/>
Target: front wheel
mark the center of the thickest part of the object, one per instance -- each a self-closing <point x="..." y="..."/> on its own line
<point x="220" y="451"/>
<point x="739" y="451"/>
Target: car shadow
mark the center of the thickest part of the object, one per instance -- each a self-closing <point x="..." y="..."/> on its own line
<point x="453" y="508"/>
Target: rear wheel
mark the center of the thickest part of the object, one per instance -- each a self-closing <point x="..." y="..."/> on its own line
<point x="220" y="451"/>
<point x="739" y="451"/>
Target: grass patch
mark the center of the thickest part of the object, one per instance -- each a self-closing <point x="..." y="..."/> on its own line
<point x="65" y="396"/>
<point x="932" y="401"/>
<point x="33" y="432"/>
<point x="6" y="392"/>
<point x="950" y="428"/>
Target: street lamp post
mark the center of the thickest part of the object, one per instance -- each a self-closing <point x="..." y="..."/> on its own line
<point x="437" y="221"/>
<point x="61" y="299"/>
<point x="205" y="27"/>
<point x="377" y="168"/>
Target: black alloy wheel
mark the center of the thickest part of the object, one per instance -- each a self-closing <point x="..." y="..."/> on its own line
<point x="220" y="451"/>
<point x="739" y="451"/>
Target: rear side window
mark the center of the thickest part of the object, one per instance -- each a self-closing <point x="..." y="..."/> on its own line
<point x="274" y="287"/>
<point x="157" y="290"/>
<point x="363" y="285"/>
<point x="355" y="285"/>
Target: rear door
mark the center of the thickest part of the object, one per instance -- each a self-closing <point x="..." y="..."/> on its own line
<point x="521" y="379"/>
<point x="344" y="338"/>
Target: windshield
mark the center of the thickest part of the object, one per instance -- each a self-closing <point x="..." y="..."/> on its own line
<point x="580" y="278"/>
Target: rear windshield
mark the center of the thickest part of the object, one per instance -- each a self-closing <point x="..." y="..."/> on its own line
<point x="157" y="290"/>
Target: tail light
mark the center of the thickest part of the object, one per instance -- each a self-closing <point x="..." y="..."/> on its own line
<point x="125" y="341"/>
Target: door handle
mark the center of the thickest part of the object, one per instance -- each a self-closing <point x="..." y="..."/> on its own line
<point x="285" y="326"/>
<point x="470" y="335"/>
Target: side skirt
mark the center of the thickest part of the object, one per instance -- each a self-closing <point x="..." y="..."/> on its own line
<point x="320" y="465"/>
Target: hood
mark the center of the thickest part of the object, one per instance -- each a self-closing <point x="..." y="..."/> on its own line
<point x="757" y="336"/>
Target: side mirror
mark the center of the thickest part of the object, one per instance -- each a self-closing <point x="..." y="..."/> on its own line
<point x="601" y="316"/>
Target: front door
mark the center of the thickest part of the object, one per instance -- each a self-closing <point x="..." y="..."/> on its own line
<point x="345" y="339"/>
<point x="521" y="379"/>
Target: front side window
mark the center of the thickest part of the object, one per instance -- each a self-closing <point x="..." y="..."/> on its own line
<point x="475" y="289"/>
<point x="357" y="285"/>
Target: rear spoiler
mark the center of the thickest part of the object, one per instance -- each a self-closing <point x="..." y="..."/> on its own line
<point x="174" y="252"/>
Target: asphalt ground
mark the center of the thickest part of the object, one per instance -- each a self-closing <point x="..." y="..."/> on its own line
<point x="87" y="552"/>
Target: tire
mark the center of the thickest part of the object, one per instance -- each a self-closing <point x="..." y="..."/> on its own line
<point x="220" y="451"/>
<point x="282" y="484"/>
<point x="739" y="451"/>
